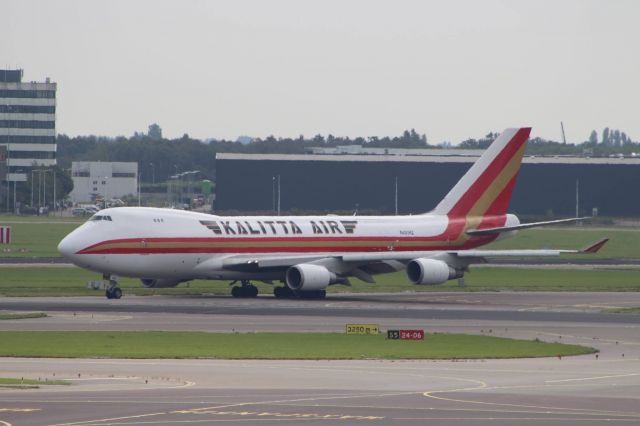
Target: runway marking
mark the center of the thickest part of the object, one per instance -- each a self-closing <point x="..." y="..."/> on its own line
<point x="196" y="410"/>
<point x="592" y="378"/>
<point x="589" y="338"/>
<point x="5" y="423"/>
<point x="18" y="410"/>
<point x="583" y="411"/>
<point x="313" y="416"/>
<point x="89" y="422"/>
<point x="315" y="398"/>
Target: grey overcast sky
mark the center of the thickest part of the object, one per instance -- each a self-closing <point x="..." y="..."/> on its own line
<point x="450" y="69"/>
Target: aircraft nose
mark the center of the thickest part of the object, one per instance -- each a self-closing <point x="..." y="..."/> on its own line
<point x="68" y="246"/>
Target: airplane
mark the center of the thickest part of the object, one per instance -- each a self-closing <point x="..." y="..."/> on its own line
<point x="307" y="254"/>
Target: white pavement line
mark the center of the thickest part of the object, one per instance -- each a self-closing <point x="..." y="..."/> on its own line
<point x="315" y="398"/>
<point x="592" y="378"/>
<point x="583" y="411"/>
<point x="591" y="339"/>
<point x="90" y="422"/>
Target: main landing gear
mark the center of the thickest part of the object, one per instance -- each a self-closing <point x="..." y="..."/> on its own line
<point x="245" y="290"/>
<point x="112" y="291"/>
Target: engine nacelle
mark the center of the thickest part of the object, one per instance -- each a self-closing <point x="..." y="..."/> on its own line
<point x="159" y="283"/>
<point x="430" y="271"/>
<point x="308" y="277"/>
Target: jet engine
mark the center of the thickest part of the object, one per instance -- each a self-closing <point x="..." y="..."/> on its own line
<point x="308" y="277"/>
<point x="159" y="283"/>
<point x="431" y="271"/>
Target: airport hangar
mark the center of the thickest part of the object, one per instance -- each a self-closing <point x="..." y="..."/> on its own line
<point x="330" y="183"/>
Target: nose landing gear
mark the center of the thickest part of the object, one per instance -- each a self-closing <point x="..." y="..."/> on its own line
<point x="112" y="291"/>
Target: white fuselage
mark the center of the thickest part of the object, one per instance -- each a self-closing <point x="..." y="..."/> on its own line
<point x="183" y="245"/>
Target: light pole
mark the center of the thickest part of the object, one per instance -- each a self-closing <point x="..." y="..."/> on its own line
<point x="153" y="173"/>
<point x="396" y="196"/>
<point x="106" y="184"/>
<point x="278" y="195"/>
<point x="55" y="205"/>
<point x="139" y="179"/>
<point x="32" y="172"/>
<point x="273" y="193"/>
<point x="44" y="187"/>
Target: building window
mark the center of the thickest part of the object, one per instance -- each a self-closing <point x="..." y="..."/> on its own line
<point x="27" y="139"/>
<point x="27" y="94"/>
<point x="27" y="109"/>
<point x="123" y="175"/>
<point x="28" y="124"/>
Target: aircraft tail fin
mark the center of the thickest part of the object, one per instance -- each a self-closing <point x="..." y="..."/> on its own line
<point x="485" y="190"/>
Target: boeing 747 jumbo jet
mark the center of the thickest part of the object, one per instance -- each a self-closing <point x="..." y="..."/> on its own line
<point x="165" y="247"/>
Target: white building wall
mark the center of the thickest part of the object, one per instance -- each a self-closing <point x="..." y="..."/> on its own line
<point x="93" y="179"/>
<point x="19" y="160"/>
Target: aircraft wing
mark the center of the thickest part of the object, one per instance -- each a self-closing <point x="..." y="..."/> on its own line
<point x="257" y="262"/>
<point x="498" y="230"/>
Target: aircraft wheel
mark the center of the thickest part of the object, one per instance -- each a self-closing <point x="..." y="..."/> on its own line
<point x="245" y="291"/>
<point x="116" y="293"/>
<point x="252" y="291"/>
<point x="108" y="293"/>
<point x="315" y="294"/>
<point x="283" y="293"/>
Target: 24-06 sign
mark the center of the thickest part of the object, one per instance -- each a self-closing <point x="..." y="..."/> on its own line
<point x="405" y="334"/>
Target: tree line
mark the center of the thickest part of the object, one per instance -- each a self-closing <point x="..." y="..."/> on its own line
<point x="159" y="158"/>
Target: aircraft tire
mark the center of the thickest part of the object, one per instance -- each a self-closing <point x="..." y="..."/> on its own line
<point x="282" y="293"/>
<point x="245" y="291"/>
<point x="116" y="293"/>
<point x="252" y="291"/>
<point x="312" y="295"/>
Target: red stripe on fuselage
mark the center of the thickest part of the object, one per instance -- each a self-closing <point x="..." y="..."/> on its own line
<point x="142" y="249"/>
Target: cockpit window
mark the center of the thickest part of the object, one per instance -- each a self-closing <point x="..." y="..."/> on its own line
<point x="100" y="217"/>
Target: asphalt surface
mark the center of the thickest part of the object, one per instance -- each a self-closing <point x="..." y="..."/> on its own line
<point x="567" y="391"/>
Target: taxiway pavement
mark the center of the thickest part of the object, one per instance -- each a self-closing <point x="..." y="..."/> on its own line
<point x="567" y="391"/>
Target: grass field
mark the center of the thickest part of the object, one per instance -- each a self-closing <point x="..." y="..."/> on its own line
<point x="13" y="382"/>
<point x="17" y="316"/>
<point x="38" y="236"/>
<point x="624" y="243"/>
<point x="63" y="281"/>
<point x="157" y="344"/>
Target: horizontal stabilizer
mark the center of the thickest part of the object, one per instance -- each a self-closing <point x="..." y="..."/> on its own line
<point x="498" y="230"/>
<point x="595" y="247"/>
